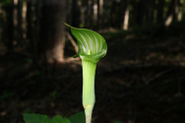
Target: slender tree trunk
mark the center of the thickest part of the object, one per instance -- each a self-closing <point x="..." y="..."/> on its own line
<point x="150" y="7"/>
<point x="125" y="14"/>
<point x="160" y="11"/>
<point x="95" y="12"/>
<point x="89" y="13"/>
<point x="24" y="25"/>
<point x="171" y="12"/>
<point x="53" y="30"/>
<point x="82" y="13"/>
<point x="30" y="23"/>
<point x="134" y="13"/>
<point x="178" y="10"/>
<point x="152" y="12"/>
<point x="75" y="12"/>
<point x="92" y="14"/>
<point x="38" y="13"/>
<point x="121" y="13"/>
<point x="19" y="26"/>
<point x="15" y="21"/>
<point x="1" y="24"/>
<point x="169" y="17"/>
<point x="10" y="28"/>
<point x="112" y="13"/>
<point x="141" y="12"/>
<point x="100" y="12"/>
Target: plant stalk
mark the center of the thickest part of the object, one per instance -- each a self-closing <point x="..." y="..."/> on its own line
<point x="88" y="98"/>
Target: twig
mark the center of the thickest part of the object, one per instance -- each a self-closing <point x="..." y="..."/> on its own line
<point x="157" y="76"/>
<point x="72" y="42"/>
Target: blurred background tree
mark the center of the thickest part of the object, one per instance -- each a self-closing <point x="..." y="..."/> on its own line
<point x="52" y="32"/>
<point x="39" y="24"/>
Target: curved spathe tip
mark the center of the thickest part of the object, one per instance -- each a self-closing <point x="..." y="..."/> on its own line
<point x="89" y="40"/>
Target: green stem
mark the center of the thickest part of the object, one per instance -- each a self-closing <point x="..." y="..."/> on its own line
<point x="89" y="69"/>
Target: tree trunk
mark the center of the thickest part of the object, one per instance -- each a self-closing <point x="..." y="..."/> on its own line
<point x="29" y="19"/>
<point x="38" y="13"/>
<point x="100" y="12"/>
<point x="169" y="17"/>
<point x="10" y="26"/>
<point x="151" y="9"/>
<point x="112" y="13"/>
<point x="171" y="14"/>
<point x="178" y="11"/>
<point x="15" y="21"/>
<point x="19" y="26"/>
<point x="23" y="25"/>
<point x="124" y="14"/>
<point x="160" y="11"/>
<point x="141" y="12"/>
<point x="82" y="12"/>
<point x="95" y="11"/>
<point x="75" y="12"/>
<point x="89" y="13"/>
<point x="1" y="23"/>
<point x="53" y="30"/>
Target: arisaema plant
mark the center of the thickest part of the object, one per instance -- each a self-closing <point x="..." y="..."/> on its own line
<point x="91" y="48"/>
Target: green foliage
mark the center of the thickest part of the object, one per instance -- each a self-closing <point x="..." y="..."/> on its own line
<point x="59" y="119"/>
<point x="6" y="2"/>
<point x="27" y="110"/>
<point x="6" y="95"/>
<point x="77" y="118"/>
<point x="39" y="118"/>
<point x="53" y="94"/>
<point x="38" y="73"/>
<point x="117" y="122"/>
<point x="29" y="60"/>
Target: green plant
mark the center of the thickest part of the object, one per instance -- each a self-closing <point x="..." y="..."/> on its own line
<point x="6" y="95"/>
<point x="91" y="48"/>
<point x="54" y="94"/>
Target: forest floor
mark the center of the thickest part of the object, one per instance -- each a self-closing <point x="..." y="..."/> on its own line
<point x="140" y="80"/>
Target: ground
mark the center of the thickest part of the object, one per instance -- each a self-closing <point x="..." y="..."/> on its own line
<point x="140" y="80"/>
